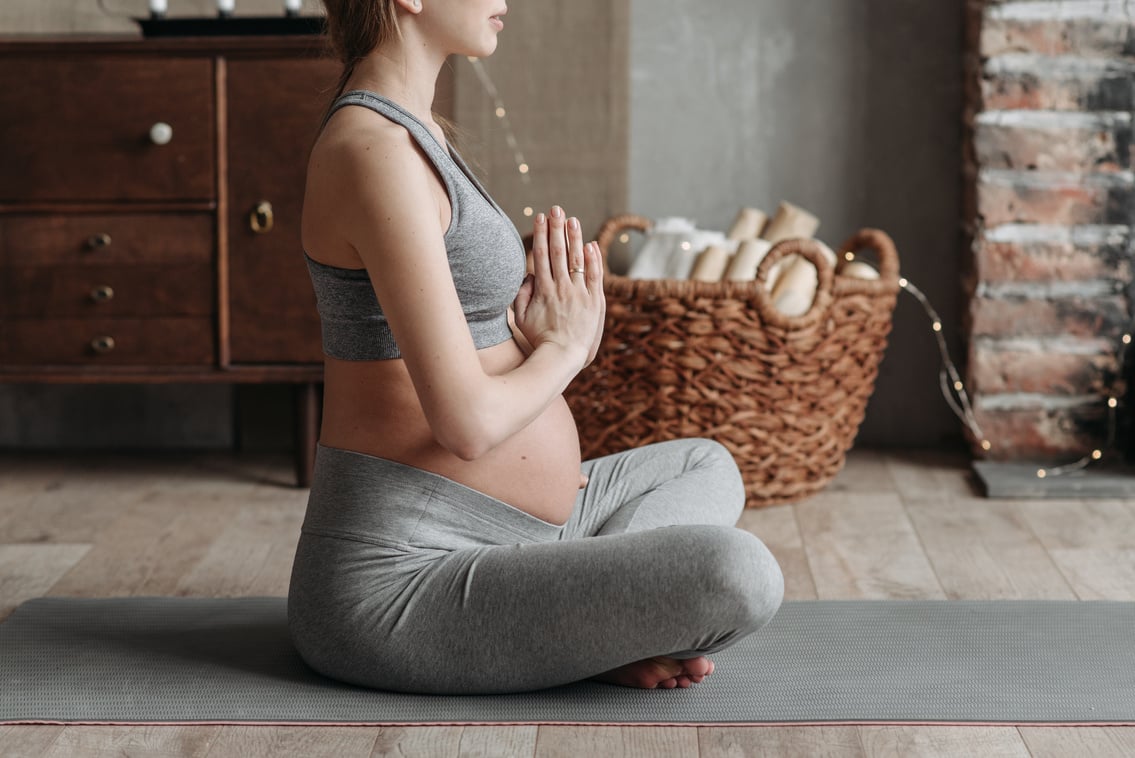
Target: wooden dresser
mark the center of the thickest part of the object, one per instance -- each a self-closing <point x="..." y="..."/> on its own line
<point x="150" y="195"/>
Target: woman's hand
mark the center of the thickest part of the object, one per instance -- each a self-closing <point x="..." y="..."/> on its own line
<point x="562" y="301"/>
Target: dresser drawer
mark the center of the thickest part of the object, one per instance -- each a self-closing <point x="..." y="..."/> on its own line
<point x="94" y="128"/>
<point x="107" y="291"/>
<point x="80" y="238"/>
<point x="107" y="341"/>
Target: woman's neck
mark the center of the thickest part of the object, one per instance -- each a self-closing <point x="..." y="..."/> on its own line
<point x="409" y="79"/>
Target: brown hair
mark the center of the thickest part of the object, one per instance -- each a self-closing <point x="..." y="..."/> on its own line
<point x="354" y="29"/>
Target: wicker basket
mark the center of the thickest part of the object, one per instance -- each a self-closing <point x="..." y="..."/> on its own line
<point x="690" y="359"/>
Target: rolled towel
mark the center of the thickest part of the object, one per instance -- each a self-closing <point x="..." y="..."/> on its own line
<point x="710" y="265"/>
<point x="790" y="222"/>
<point x="859" y="270"/>
<point x="743" y="267"/>
<point x="748" y="225"/>
<point x="795" y="288"/>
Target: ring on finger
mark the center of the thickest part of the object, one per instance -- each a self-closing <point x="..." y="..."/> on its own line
<point x="578" y="270"/>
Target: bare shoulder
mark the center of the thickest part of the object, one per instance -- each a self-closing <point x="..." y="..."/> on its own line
<point x="363" y="168"/>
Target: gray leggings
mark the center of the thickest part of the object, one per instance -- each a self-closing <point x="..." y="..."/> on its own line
<point x="406" y="580"/>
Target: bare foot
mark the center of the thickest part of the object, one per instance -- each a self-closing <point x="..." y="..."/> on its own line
<point x="659" y="672"/>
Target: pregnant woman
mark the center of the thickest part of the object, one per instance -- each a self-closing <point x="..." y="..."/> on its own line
<point x="454" y="542"/>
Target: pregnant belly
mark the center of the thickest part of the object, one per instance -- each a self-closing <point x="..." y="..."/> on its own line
<point x="538" y="469"/>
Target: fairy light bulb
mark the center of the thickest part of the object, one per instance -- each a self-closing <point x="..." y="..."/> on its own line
<point x="522" y="168"/>
<point x="528" y="210"/>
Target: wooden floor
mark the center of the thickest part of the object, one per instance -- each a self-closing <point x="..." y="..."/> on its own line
<point x="893" y="525"/>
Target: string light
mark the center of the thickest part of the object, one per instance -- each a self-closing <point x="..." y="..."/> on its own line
<point x="954" y="391"/>
<point x="502" y="114"/>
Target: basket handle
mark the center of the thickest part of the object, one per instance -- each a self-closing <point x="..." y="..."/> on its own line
<point x="611" y="228"/>
<point x="809" y="250"/>
<point x="884" y="247"/>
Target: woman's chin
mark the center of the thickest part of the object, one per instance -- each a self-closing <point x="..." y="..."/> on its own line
<point x="483" y="50"/>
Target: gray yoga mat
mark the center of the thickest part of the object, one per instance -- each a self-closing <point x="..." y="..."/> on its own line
<point x="159" y="660"/>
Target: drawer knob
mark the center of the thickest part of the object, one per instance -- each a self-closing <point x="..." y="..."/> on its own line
<point x="103" y="344"/>
<point x="98" y="241"/>
<point x="261" y="220"/>
<point x="102" y="293"/>
<point x="161" y="133"/>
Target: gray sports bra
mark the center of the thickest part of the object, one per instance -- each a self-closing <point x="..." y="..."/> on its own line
<point x="486" y="258"/>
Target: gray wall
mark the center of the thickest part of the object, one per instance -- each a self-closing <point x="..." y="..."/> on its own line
<point x="849" y="109"/>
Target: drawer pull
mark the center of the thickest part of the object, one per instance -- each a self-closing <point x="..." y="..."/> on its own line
<point x="102" y="344"/>
<point x="98" y="241"/>
<point x="261" y="220"/>
<point x="161" y="133"/>
<point x="102" y="293"/>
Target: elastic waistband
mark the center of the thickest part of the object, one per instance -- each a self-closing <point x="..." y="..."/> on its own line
<point x="361" y="495"/>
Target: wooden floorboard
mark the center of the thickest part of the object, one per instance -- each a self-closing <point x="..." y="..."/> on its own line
<point x="778" y="741"/>
<point x="616" y="741"/>
<point x="864" y="546"/>
<point x="942" y="741"/>
<point x="1094" y="741"/>
<point x="984" y="549"/>
<point x="904" y="525"/>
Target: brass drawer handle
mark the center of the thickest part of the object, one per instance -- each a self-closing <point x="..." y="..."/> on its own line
<point x="102" y="293"/>
<point x="103" y="344"/>
<point x="261" y="220"/>
<point x="97" y="241"/>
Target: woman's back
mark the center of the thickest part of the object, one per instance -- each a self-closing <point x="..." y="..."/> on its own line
<point x="371" y="404"/>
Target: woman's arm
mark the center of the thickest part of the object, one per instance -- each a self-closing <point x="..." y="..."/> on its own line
<point x="390" y="216"/>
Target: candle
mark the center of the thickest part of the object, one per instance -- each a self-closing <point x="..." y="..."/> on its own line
<point x="158" y="8"/>
<point x="225" y="7"/>
<point x="293" y="7"/>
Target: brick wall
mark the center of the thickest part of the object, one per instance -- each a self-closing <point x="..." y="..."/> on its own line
<point x="1049" y="210"/>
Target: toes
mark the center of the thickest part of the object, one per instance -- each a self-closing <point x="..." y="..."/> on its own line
<point x="699" y="666"/>
<point x="684" y="681"/>
<point x="668" y="684"/>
